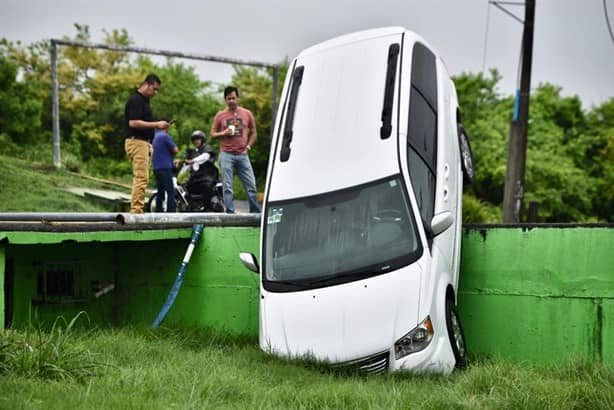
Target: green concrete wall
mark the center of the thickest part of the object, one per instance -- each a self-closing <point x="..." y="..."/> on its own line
<point x="218" y="292"/>
<point x="539" y="295"/>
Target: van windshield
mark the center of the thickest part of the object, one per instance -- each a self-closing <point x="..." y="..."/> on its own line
<point x="338" y="237"/>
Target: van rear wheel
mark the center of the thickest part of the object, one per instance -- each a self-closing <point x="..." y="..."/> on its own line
<point x="466" y="156"/>
<point x="456" y="335"/>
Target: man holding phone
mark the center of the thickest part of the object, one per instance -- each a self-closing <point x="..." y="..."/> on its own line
<point x="139" y="132"/>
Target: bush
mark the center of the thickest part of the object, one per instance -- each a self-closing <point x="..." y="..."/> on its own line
<point x="476" y="211"/>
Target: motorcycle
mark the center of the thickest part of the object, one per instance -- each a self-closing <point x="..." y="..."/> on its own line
<point x="202" y="192"/>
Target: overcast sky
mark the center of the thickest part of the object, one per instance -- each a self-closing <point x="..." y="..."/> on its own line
<point x="572" y="45"/>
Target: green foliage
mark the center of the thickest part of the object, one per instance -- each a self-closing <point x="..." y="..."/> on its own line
<point x="20" y="105"/>
<point x="569" y="170"/>
<point x="477" y="211"/>
<point x="256" y="90"/>
<point x="570" y="152"/>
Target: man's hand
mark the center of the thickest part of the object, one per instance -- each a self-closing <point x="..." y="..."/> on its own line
<point x="161" y="125"/>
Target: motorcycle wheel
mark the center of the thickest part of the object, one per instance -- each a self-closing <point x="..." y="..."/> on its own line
<point x="180" y="204"/>
<point x="151" y="204"/>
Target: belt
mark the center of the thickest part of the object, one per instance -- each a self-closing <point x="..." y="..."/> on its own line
<point x="138" y="138"/>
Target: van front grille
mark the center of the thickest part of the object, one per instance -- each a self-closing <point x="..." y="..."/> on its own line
<point x="375" y="364"/>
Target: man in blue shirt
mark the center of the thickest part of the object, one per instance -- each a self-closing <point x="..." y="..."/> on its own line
<point x="164" y="149"/>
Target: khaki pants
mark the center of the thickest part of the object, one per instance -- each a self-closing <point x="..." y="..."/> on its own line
<point x="139" y="152"/>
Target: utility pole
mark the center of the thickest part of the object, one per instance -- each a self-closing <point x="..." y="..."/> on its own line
<point x="513" y="192"/>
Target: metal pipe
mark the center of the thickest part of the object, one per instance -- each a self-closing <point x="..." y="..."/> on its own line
<point x="208" y="218"/>
<point x="55" y="106"/>
<point x="166" y="53"/>
<point x="58" y="217"/>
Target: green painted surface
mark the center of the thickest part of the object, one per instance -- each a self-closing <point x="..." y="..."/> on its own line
<point x="30" y="237"/>
<point x="539" y="295"/>
<point x="218" y="291"/>
<point x="2" y="281"/>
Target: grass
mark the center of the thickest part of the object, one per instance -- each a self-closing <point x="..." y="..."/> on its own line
<point x="38" y="187"/>
<point x="35" y="187"/>
<point x="142" y="368"/>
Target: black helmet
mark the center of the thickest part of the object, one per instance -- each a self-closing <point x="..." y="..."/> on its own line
<point x="198" y="134"/>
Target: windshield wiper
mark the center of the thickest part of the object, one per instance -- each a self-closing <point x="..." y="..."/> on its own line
<point x="356" y="274"/>
<point x="298" y="285"/>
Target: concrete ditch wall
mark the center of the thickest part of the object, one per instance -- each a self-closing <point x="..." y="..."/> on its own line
<point x="538" y="293"/>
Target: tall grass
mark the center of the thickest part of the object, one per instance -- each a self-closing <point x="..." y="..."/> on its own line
<point x="199" y="369"/>
<point x="56" y="354"/>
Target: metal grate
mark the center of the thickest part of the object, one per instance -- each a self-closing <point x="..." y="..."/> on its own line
<point x="375" y="364"/>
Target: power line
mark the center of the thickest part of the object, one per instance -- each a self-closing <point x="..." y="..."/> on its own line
<point x="607" y="20"/>
<point x="486" y="38"/>
<point x="498" y="5"/>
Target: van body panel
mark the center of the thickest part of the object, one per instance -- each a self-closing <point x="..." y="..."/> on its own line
<point x="345" y="322"/>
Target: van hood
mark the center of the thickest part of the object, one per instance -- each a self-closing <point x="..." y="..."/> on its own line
<point x="343" y="322"/>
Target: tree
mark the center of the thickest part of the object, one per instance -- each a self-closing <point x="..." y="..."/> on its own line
<point x="20" y="104"/>
<point x="256" y="89"/>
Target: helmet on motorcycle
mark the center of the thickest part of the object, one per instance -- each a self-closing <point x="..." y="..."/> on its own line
<point x="198" y="134"/>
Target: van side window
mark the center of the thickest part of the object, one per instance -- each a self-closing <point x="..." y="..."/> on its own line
<point x="422" y="130"/>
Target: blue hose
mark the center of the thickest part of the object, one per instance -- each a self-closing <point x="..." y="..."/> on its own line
<point x="172" y="295"/>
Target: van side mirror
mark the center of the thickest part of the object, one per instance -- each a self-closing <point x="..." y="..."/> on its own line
<point x="250" y="261"/>
<point x="441" y="222"/>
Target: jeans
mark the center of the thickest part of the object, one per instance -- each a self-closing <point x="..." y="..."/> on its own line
<point x="228" y="162"/>
<point x="165" y="186"/>
<point x="139" y="153"/>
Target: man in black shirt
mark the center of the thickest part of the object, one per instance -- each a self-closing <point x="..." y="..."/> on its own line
<point x="140" y="128"/>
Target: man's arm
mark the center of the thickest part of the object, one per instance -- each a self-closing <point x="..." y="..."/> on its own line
<point x="140" y="124"/>
<point x="253" y="134"/>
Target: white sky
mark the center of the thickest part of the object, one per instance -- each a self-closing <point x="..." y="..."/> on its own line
<point x="572" y="46"/>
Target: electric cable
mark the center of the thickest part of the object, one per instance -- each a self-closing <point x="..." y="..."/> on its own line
<point x="486" y="37"/>
<point x="607" y="20"/>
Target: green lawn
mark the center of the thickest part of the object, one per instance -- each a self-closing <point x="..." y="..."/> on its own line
<point x="35" y="187"/>
<point x="194" y="369"/>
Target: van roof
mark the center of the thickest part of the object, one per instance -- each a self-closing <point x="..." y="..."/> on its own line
<point x="352" y="37"/>
<point x="336" y="127"/>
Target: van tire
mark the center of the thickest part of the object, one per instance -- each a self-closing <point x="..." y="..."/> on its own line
<point x="456" y="335"/>
<point x="466" y="155"/>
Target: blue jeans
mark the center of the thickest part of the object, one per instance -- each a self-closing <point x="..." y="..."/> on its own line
<point x="228" y="162"/>
<point x="164" y="184"/>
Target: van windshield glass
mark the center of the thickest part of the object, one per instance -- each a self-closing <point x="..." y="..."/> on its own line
<point x="338" y="237"/>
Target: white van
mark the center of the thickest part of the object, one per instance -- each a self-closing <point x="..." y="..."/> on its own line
<point x="361" y="226"/>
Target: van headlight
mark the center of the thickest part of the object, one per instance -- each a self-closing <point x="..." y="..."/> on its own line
<point x="414" y="341"/>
